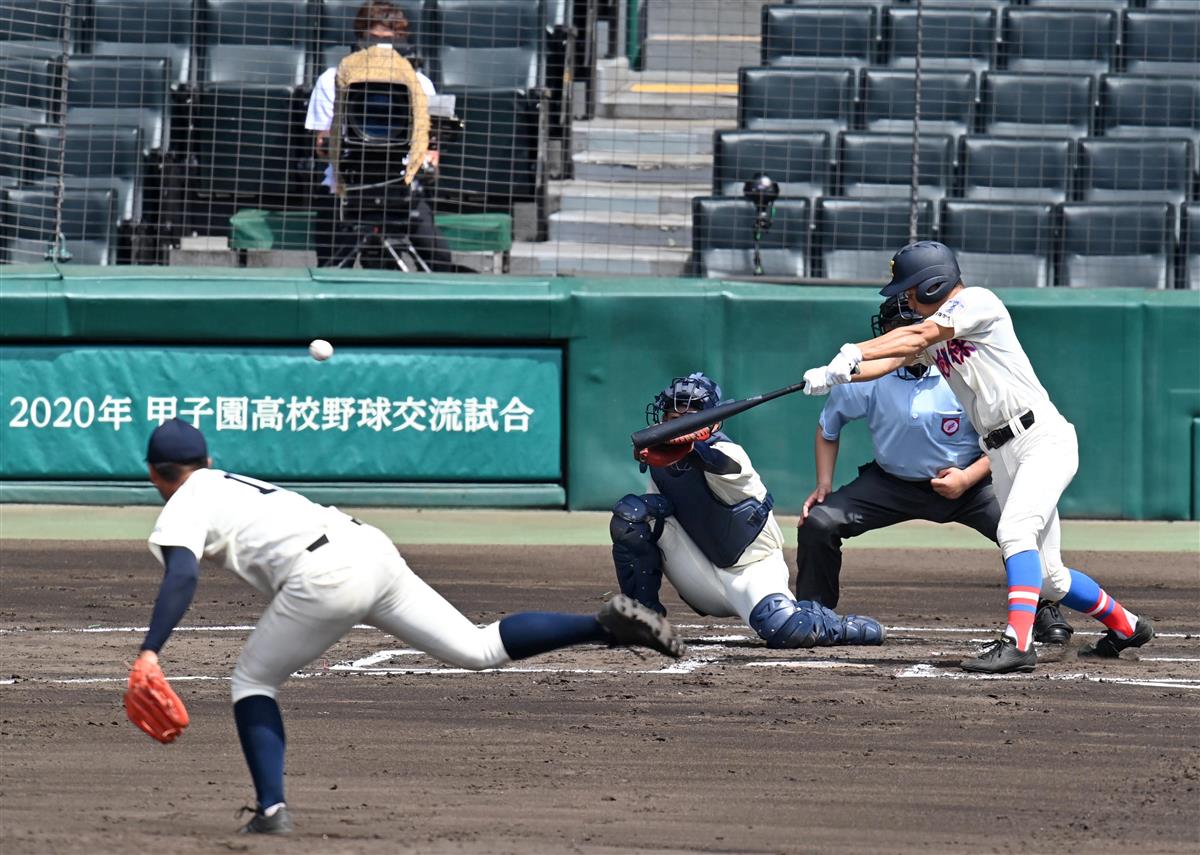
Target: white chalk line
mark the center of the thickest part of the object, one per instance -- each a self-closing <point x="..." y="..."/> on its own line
<point x="933" y="672"/>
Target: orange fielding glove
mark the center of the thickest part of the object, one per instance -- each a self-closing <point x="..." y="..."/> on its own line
<point x="152" y="704"/>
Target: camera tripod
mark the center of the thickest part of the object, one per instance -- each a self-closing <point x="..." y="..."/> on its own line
<point x="382" y="239"/>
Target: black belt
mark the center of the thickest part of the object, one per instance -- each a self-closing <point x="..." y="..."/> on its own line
<point x="999" y="436"/>
<point x="324" y="539"/>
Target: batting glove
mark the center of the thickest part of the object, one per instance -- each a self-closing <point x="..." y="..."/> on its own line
<point x="815" y="381"/>
<point x="839" y="370"/>
<point x="851" y="352"/>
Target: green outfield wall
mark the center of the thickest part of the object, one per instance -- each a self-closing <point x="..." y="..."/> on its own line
<point x="1122" y="365"/>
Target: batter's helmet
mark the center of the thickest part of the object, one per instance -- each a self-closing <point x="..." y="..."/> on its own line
<point x="893" y="312"/>
<point x="926" y="265"/>
<point x="697" y="391"/>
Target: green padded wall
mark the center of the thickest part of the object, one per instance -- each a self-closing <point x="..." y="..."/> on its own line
<point x="1123" y="365"/>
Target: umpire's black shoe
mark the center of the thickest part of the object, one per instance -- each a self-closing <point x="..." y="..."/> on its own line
<point x="279" y="822"/>
<point x="630" y="623"/>
<point x="1110" y="644"/>
<point x="1001" y="657"/>
<point x="1049" y="625"/>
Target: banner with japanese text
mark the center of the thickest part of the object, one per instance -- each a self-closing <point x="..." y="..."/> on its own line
<point x="366" y="414"/>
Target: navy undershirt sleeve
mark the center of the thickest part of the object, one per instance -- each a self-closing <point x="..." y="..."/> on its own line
<point x="174" y="595"/>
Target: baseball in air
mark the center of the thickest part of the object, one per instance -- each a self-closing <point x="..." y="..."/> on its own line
<point x="320" y="349"/>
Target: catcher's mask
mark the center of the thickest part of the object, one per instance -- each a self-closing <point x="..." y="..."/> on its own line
<point x="697" y="391"/>
<point x="893" y="312"/>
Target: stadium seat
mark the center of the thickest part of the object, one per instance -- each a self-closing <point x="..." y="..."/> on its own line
<point x="1079" y="41"/>
<point x="841" y="37"/>
<point x="29" y="90"/>
<point x="1117" y="244"/>
<point x="497" y="155"/>
<point x="93" y="158"/>
<point x="1151" y="107"/>
<point x="1037" y="105"/>
<point x="723" y="238"/>
<point x="32" y="28"/>
<point x="1001" y="244"/>
<point x="798" y="162"/>
<point x="947" y="101"/>
<point x="953" y="38"/>
<point x="146" y="29"/>
<point x="791" y="99"/>
<point x="877" y="165"/>
<point x="122" y="91"/>
<point x="242" y="140"/>
<point x="855" y="238"/>
<point x="1171" y="5"/>
<point x="1108" y="5"/>
<point x="1190" y="249"/>
<point x="1015" y="169"/>
<point x="11" y="155"/>
<point x="490" y="44"/>
<point x="1112" y="170"/>
<point x="336" y="38"/>
<point x="88" y="225"/>
<point x="1162" y="42"/>
<point x="255" y="42"/>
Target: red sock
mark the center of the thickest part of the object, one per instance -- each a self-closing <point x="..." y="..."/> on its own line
<point x="1022" y="608"/>
<point x="1114" y="615"/>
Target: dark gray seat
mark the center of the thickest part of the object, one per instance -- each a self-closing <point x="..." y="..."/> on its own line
<point x="12" y="152"/>
<point x="489" y="44"/>
<point x="1161" y="42"/>
<point x="1078" y="41"/>
<point x="1015" y="169"/>
<point x="1190" y="248"/>
<point x="29" y="90"/>
<point x="1171" y="5"/>
<point x="255" y="42"/>
<point x="336" y="37"/>
<point x="837" y="36"/>
<point x="32" y="28"/>
<point x="1117" y="245"/>
<point x="1037" y="105"/>
<point x="1108" y="5"/>
<point x="1001" y="244"/>
<point x="723" y="238"/>
<point x="888" y="101"/>
<point x="798" y="162"/>
<point x="953" y="38"/>
<point x="146" y="29"/>
<point x="1113" y="170"/>
<point x="88" y="225"/>
<point x="854" y="239"/>
<point x="792" y="99"/>
<point x="1151" y="107"/>
<point x="115" y="90"/>
<point x="242" y="139"/>
<point x="878" y="165"/>
<point x="93" y="158"/>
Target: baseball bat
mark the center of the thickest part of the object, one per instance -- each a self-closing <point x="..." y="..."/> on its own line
<point x="689" y="422"/>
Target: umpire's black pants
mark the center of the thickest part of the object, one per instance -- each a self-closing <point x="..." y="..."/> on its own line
<point x="874" y="500"/>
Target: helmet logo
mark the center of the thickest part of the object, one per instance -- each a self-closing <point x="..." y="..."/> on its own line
<point x="892" y="268"/>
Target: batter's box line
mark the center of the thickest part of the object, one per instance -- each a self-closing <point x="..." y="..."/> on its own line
<point x="933" y="672"/>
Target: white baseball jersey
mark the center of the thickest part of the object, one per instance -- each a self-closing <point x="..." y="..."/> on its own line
<point x="320" y="107"/>
<point x="984" y="362"/>
<point x="253" y="528"/>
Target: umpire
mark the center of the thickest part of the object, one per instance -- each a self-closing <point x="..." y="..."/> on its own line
<point x="928" y="465"/>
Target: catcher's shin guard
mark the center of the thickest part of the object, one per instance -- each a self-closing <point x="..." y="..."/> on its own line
<point x="782" y="624"/>
<point x="843" y="629"/>
<point x="636" y="525"/>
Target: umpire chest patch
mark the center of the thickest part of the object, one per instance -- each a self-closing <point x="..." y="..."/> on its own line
<point x="950" y="425"/>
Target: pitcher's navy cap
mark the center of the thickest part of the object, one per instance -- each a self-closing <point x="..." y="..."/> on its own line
<point x="925" y="262"/>
<point x="176" y="441"/>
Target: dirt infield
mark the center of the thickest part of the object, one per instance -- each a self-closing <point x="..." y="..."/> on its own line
<point x="735" y="748"/>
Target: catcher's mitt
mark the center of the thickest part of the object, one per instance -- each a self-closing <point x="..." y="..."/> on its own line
<point x="152" y="704"/>
<point x="662" y="455"/>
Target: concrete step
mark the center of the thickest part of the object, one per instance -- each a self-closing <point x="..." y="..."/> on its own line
<point x="619" y="199"/>
<point x="635" y="105"/>
<point x="671" y="95"/>
<point x="662" y="136"/>
<point x="586" y="259"/>
<point x="701" y="54"/>
<point x="618" y="233"/>
<point x="648" y="167"/>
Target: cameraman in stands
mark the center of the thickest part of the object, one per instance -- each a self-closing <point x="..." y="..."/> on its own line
<point x="376" y="22"/>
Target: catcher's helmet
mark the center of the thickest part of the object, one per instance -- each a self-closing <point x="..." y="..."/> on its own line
<point x="697" y="391"/>
<point x="893" y="312"/>
<point x="926" y="265"/>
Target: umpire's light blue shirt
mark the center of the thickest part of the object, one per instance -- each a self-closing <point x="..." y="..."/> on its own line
<point x="917" y="427"/>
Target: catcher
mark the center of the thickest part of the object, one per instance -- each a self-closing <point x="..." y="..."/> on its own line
<point x="706" y="522"/>
<point x="325" y="572"/>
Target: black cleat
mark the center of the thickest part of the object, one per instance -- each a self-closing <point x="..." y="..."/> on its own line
<point x="632" y="624"/>
<point x="279" y="822"/>
<point x="1110" y="644"/>
<point x="1001" y="657"/>
<point x="1049" y="625"/>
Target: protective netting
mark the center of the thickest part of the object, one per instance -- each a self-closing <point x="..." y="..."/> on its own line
<point x="1049" y="142"/>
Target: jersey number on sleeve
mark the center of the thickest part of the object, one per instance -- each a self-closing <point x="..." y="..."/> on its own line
<point x="262" y="488"/>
